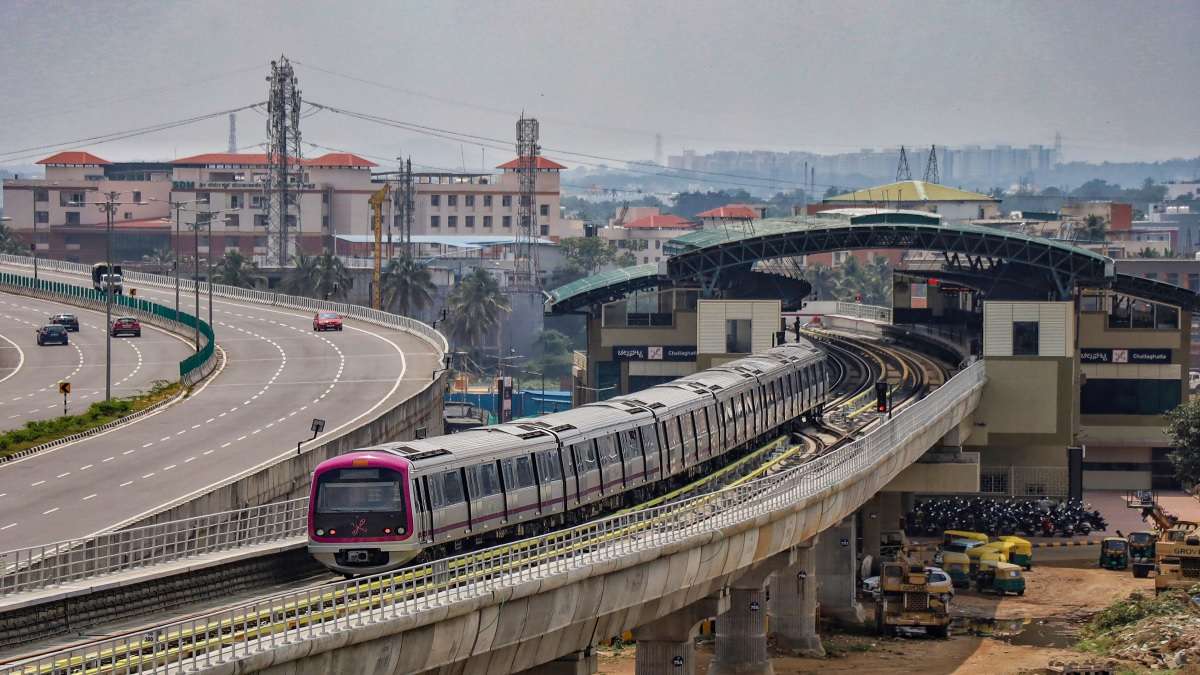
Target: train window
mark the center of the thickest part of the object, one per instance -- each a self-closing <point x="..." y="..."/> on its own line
<point x="688" y="431"/>
<point x="489" y="482"/>
<point x="630" y="445"/>
<point x="509" y="473"/>
<point x="549" y="467"/>
<point x="649" y="439"/>
<point x="452" y="487"/>
<point x="524" y="472"/>
<point x="608" y="449"/>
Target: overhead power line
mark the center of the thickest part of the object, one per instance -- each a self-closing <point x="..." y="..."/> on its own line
<point x="11" y="155"/>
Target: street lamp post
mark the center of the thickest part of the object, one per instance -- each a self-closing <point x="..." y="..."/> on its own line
<point x="177" y="207"/>
<point x="109" y="208"/>
<point x="35" y="238"/>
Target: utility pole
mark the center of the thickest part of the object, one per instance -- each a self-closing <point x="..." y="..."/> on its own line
<point x="207" y="218"/>
<point x="175" y="247"/>
<point x="35" y="237"/>
<point x="931" y="166"/>
<point x="902" y="170"/>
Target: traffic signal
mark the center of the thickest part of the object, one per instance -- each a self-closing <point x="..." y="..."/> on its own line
<point x="881" y="396"/>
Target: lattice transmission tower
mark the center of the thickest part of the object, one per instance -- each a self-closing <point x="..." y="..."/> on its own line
<point x="902" y="170"/>
<point x="525" y="251"/>
<point x="931" y="167"/>
<point x="284" y="172"/>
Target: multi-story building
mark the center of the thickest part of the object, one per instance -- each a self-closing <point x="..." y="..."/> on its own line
<point x="645" y="236"/>
<point x="330" y="198"/>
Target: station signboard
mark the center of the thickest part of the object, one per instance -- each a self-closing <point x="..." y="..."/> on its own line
<point x="654" y="353"/>
<point x="1125" y="355"/>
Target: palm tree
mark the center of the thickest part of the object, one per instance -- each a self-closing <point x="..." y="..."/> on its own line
<point x="475" y="305"/>
<point x="407" y="285"/>
<point x="879" y="282"/>
<point x="332" y="280"/>
<point x="823" y="281"/>
<point x="851" y="279"/>
<point x="235" y="270"/>
<point x="301" y="279"/>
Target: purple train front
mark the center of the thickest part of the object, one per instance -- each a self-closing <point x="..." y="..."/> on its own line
<point x="360" y="518"/>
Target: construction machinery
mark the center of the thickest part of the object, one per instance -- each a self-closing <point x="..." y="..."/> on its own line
<point x="907" y="597"/>
<point x="1177" y="548"/>
<point x="377" y="200"/>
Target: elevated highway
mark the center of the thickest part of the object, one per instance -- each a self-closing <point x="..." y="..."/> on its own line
<point x="658" y="571"/>
<point x="30" y="382"/>
<point x="277" y="376"/>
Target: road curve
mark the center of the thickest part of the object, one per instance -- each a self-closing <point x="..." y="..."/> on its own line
<point x="278" y="375"/>
<point x="31" y="393"/>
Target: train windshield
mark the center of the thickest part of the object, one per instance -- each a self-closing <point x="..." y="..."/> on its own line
<point x="360" y="490"/>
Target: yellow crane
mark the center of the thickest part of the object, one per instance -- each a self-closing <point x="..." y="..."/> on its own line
<point x="377" y="199"/>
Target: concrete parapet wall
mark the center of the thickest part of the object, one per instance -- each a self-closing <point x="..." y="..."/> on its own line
<point x="521" y="626"/>
<point x="288" y="478"/>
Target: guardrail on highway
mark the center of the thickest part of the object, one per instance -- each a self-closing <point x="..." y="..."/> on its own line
<point x="191" y="370"/>
<point x="39" y="567"/>
<point x="358" y="312"/>
<point x="231" y="634"/>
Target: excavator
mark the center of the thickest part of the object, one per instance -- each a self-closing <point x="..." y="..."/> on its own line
<point x="1177" y="549"/>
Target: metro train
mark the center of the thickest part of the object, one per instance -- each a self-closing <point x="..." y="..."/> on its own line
<point x="373" y="510"/>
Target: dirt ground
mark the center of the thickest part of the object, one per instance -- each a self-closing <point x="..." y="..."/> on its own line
<point x="1032" y="631"/>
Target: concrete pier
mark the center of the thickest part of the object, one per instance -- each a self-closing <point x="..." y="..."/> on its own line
<point x="793" y="606"/>
<point x="667" y="646"/>
<point x="837" y="573"/>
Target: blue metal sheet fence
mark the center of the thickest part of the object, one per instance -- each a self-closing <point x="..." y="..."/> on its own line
<point x="187" y="367"/>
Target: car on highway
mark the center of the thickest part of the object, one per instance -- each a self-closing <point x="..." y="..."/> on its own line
<point x="52" y="333"/>
<point x="68" y="321"/>
<point x="126" y="325"/>
<point x="327" y="321"/>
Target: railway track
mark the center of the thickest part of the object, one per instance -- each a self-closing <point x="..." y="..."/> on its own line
<point x="859" y="363"/>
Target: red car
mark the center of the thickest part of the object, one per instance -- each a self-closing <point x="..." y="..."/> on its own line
<point x="126" y="325"/>
<point x="327" y="321"/>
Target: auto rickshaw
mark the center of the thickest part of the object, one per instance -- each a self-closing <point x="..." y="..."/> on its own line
<point x="950" y="535"/>
<point x="1000" y="577"/>
<point x="1022" y="551"/>
<point x="991" y="551"/>
<point x="958" y="541"/>
<point x="958" y="566"/>
<point x="1141" y="553"/>
<point x="1114" y="553"/>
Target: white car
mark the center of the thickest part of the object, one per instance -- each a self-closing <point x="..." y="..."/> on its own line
<point x="937" y="578"/>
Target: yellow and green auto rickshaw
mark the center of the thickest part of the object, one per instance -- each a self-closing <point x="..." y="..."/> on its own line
<point x="958" y="567"/>
<point x="992" y="552"/>
<point x="1022" y="552"/>
<point x="1114" y="553"/>
<point x="999" y="577"/>
<point x="958" y="541"/>
<point x="949" y="536"/>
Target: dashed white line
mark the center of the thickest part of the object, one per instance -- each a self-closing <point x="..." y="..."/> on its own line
<point x="207" y="452"/>
<point x="129" y="452"/>
<point x="128" y="482"/>
<point x="168" y="468"/>
<point x="49" y="511"/>
<point x="226" y="444"/>
<point x="63" y="474"/>
<point x="37" y="483"/>
<point x="108" y="459"/>
<point x="88" y="497"/>
<point x="146" y="445"/>
<point x="8" y="526"/>
<point x="85" y="467"/>
<point x="189" y="459"/>
<point x="148" y="475"/>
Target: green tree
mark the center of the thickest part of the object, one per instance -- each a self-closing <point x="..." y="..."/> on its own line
<point x="235" y="270"/>
<point x="1183" y="426"/>
<point x="301" y="278"/>
<point x="407" y="285"/>
<point x="1093" y="227"/>
<point x="161" y="259"/>
<point x="824" y="281"/>
<point x="8" y="241"/>
<point x="333" y="280"/>
<point x="588" y="253"/>
<point x="552" y="354"/>
<point x="475" y="307"/>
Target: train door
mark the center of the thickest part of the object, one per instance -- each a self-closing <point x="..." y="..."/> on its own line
<point x="587" y="470"/>
<point x="650" y="452"/>
<point x="687" y="433"/>
<point x="452" y="512"/>
<point x="422" y="509"/>
<point x="487" y="501"/>
<point x="554" y="490"/>
<point x="632" y="456"/>
<point x="703" y="442"/>
<point x="521" y="498"/>
<point x="611" y="465"/>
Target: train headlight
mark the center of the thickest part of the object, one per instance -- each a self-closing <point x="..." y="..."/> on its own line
<point x="387" y="530"/>
<point x="320" y="533"/>
<point x="332" y="532"/>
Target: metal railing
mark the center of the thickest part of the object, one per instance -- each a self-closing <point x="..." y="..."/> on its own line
<point x="366" y="314"/>
<point x="860" y="311"/>
<point x="1024" y="481"/>
<point x="191" y="369"/>
<point x="228" y="635"/>
<point x="40" y="567"/>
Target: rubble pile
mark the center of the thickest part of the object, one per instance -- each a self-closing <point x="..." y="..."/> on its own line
<point x="1158" y="632"/>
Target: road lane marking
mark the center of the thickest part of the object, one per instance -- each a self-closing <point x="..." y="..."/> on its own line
<point x="37" y="483"/>
<point x="48" y="512"/>
<point x="88" y="497"/>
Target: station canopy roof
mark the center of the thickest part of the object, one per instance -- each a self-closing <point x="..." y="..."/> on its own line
<point x="911" y="191"/>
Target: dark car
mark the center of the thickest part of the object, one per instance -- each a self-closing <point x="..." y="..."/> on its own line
<point x="126" y="325"/>
<point x="68" y="321"/>
<point x="52" y="334"/>
<point x="327" y="321"/>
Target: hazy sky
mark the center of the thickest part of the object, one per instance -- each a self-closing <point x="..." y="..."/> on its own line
<point x="1118" y="79"/>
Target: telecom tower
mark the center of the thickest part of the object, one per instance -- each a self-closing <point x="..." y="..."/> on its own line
<point x="403" y="205"/>
<point x="284" y="171"/>
<point x="525" y="272"/>
<point x="232" y="133"/>
<point x="931" y="167"/>
<point x="902" y="171"/>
